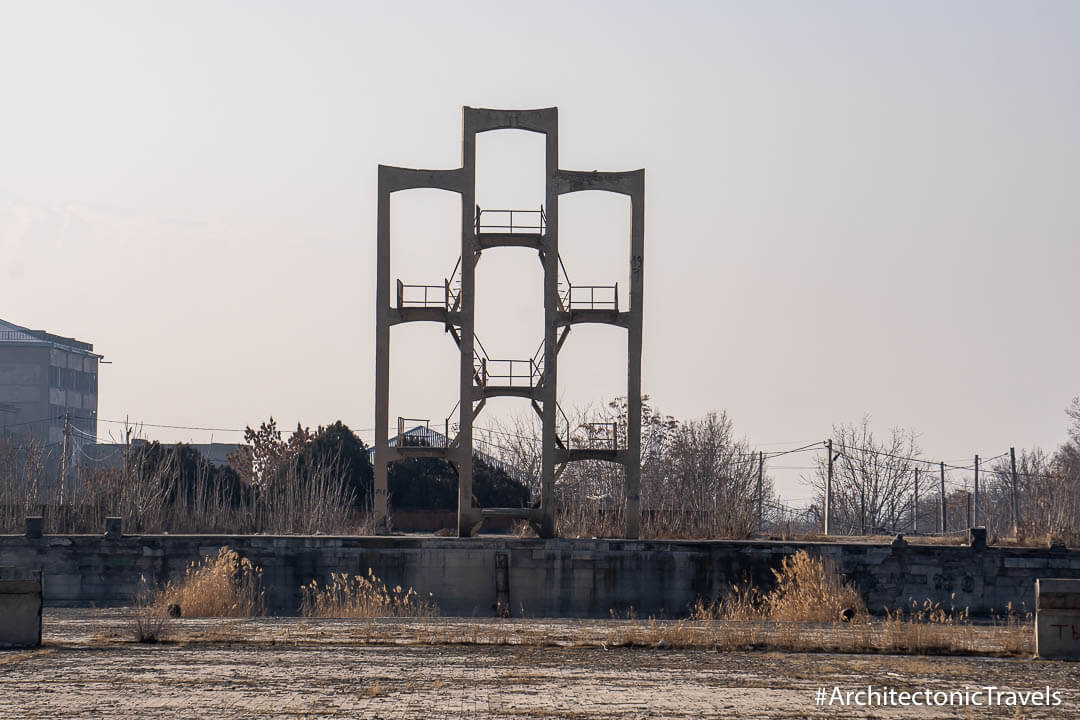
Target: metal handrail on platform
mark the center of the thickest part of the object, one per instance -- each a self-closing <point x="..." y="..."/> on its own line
<point x="446" y="296"/>
<point x="423" y="296"/>
<point x="598" y="436"/>
<point x="510" y="372"/>
<point x="591" y="297"/>
<point x="503" y="221"/>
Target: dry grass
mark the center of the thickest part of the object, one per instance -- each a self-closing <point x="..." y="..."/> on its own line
<point x="359" y="596"/>
<point x="149" y="621"/>
<point x="810" y="590"/>
<point x="807" y="589"/>
<point x="10" y="658"/>
<point x="954" y="538"/>
<point x="225" y="585"/>
<point x="799" y="614"/>
<point x="171" y="495"/>
<point x="802" y="613"/>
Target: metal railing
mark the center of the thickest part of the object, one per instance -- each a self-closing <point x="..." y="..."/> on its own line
<point x="597" y="436"/>
<point x="504" y="372"/>
<point x="453" y="287"/>
<point x="480" y="358"/>
<point x="403" y="440"/>
<point x="423" y="296"/>
<point x="446" y="296"/>
<point x="591" y="297"/>
<point x="538" y="361"/>
<point x="451" y="427"/>
<point x="562" y="426"/>
<point x="585" y="297"/>
<point x="422" y="435"/>
<point x="564" y="285"/>
<point x="527" y="221"/>
<point x="510" y="372"/>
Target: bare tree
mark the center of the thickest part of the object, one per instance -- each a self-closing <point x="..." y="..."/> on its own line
<point x="697" y="479"/>
<point x="873" y="479"/>
<point x="708" y="484"/>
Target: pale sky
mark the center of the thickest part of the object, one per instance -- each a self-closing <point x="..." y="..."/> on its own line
<point x="851" y="207"/>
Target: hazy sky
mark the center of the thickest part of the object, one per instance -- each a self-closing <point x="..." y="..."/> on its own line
<point x="851" y="207"/>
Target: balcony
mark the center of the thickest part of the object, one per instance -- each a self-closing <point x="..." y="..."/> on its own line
<point x="510" y="228"/>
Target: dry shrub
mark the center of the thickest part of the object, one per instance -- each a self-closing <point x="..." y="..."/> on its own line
<point x="149" y="621"/>
<point x="742" y="602"/>
<point x="809" y="589"/>
<point x="357" y="596"/>
<point x="225" y="585"/>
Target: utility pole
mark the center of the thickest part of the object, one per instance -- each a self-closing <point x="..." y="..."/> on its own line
<point x="943" y="511"/>
<point x="862" y="510"/>
<point x="127" y="445"/>
<point x="1015" y="491"/>
<point x="975" y="511"/>
<point x="915" y="514"/>
<point x="828" y="485"/>
<point x="760" y="486"/>
<point x="64" y="460"/>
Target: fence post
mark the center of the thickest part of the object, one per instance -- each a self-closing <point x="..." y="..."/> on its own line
<point x="944" y="524"/>
<point x="828" y="485"/>
<point x="1015" y="499"/>
<point x="760" y="473"/>
<point x="915" y="515"/>
<point x="975" y="509"/>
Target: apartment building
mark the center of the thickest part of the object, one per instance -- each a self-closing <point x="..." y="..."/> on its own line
<point x="45" y="381"/>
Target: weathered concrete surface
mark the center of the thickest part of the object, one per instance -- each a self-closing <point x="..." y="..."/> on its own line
<point x="20" y="607"/>
<point x="274" y="668"/>
<point x="546" y="578"/>
<point x="1057" y="618"/>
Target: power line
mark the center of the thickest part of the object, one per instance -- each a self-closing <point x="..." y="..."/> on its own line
<point x="811" y="447"/>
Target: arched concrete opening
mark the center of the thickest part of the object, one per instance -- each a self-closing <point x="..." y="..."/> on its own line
<point x="510" y="170"/>
<point x="509" y="316"/>
<point x="592" y="369"/>
<point x="508" y="432"/>
<point x="425" y="237"/>
<point x="423" y="376"/>
<point x="594" y="241"/>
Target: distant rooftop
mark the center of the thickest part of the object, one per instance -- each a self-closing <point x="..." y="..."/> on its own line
<point x="11" y="333"/>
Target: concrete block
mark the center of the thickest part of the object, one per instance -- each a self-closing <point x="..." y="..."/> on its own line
<point x="114" y="527"/>
<point x="20" y="607"/>
<point x="977" y="538"/>
<point x="34" y="527"/>
<point x="1057" y="618"/>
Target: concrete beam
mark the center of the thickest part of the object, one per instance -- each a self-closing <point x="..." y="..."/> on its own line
<point x="1057" y="618"/>
<point x="20" y="607"/>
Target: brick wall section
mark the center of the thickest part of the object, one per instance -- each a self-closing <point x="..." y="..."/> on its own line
<point x="548" y="578"/>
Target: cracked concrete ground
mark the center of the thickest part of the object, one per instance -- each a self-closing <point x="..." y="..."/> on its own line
<point x="296" y="668"/>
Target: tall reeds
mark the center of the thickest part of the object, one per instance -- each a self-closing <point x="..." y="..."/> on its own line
<point x="224" y="585"/>
<point x="168" y="492"/>
<point x="360" y="596"/>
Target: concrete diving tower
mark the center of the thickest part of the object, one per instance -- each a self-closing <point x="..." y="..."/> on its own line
<point x="452" y="303"/>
